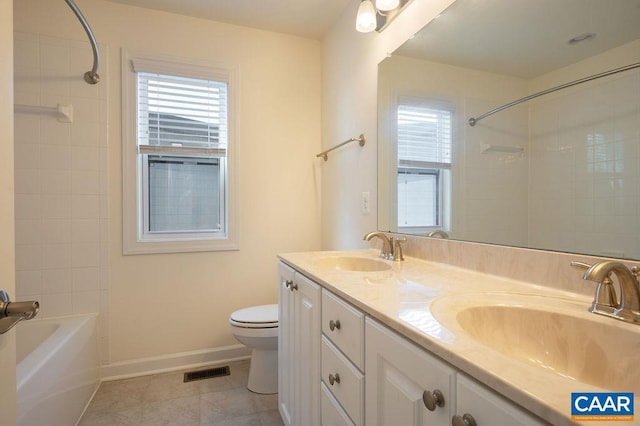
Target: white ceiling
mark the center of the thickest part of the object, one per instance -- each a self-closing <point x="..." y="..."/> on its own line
<point x="306" y="18"/>
<point x="524" y="38"/>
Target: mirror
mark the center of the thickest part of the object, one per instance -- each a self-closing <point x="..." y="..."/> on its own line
<point x="558" y="172"/>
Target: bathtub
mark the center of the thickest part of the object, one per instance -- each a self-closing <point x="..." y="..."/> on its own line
<point x="57" y="369"/>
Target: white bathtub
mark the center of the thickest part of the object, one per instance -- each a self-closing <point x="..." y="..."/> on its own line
<point x="57" y="371"/>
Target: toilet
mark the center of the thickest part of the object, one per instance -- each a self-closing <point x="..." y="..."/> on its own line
<point x="257" y="328"/>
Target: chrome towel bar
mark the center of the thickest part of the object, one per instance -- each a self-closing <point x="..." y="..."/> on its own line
<point x="360" y="139"/>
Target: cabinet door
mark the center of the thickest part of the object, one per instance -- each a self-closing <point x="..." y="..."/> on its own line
<point x="306" y="359"/>
<point x="489" y="408"/>
<point x="286" y="350"/>
<point x="397" y="375"/>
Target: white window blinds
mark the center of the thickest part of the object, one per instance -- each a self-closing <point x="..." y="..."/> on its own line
<point x="424" y="136"/>
<point x="181" y="115"/>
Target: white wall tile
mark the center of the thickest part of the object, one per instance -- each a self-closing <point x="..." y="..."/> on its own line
<point x="56" y="281"/>
<point x="56" y="256"/>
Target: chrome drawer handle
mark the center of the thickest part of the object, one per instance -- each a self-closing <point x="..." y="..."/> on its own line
<point x="433" y="400"/>
<point x="334" y="325"/>
<point x="334" y="379"/>
<point x="464" y="420"/>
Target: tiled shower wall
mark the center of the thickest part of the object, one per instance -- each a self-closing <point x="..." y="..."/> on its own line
<point x="61" y="180"/>
<point x="585" y="168"/>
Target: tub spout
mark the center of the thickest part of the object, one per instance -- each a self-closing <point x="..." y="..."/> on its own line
<point x="13" y="312"/>
<point x="26" y="310"/>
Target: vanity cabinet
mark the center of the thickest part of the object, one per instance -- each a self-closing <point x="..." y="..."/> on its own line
<point x="299" y="366"/>
<point x="342" y="362"/>
<point x="407" y="385"/>
<point x="398" y="375"/>
<point x="327" y="348"/>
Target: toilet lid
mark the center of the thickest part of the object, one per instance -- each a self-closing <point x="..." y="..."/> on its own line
<point x="261" y="316"/>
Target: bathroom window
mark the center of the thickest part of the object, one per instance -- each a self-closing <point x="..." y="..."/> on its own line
<point x="179" y="156"/>
<point x="424" y="164"/>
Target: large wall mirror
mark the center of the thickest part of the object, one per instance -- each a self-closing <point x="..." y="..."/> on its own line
<point x="560" y="171"/>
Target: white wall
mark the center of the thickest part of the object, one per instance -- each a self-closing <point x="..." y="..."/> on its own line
<point x="349" y="80"/>
<point x="161" y="305"/>
<point x="7" y="251"/>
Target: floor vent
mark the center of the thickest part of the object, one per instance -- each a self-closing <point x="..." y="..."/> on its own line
<point x="206" y="374"/>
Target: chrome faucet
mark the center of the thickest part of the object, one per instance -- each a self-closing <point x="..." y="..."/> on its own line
<point x="605" y="302"/>
<point x="391" y="248"/>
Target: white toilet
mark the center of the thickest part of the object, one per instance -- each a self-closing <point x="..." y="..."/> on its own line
<point x="257" y="328"/>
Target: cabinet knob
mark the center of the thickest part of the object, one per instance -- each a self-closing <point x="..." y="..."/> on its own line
<point x="334" y="379"/>
<point x="464" y="420"/>
<point x="293" y="286"/>
<point x="334" y="325"/>
<point x="432" y="400"/>
<point x="288" y="283"/>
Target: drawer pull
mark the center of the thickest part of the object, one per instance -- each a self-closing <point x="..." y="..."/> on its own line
<point x="334" y="325"/>
<point x="464" y="420"/>
<point x="433" y="400"/>
<point x="334" y="379"/>
<point x="288" y="283"/>
<point x="293" y="286"/>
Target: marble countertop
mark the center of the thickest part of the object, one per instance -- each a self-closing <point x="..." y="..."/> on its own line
<point x="419" y="299"/>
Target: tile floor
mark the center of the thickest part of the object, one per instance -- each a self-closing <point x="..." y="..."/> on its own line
<point x="164" y="399"/>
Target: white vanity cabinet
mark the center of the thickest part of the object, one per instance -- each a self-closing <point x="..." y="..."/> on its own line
<point x="398" y="375"/>
<point x="487" y="407"/>
<point x="339" y="367"/>
<point x="299" y="366"/>
<point x="407" y="385"/>
<point x="342" y="362"/>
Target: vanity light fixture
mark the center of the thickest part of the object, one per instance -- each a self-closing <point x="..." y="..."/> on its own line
<point x="370" y="17"/>
<point x="366" y="18"/>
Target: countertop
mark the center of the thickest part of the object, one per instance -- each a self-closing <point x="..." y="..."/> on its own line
<point x="419" y="300"/>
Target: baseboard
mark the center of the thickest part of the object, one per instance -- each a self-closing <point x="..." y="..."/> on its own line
<point x="173" y="362"/>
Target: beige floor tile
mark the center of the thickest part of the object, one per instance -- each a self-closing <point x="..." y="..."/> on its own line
<point x="165" y="400"/>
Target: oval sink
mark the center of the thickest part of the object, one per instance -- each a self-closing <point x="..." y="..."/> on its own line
<point x="351" y="263"/>
<point x="574" y="344"/>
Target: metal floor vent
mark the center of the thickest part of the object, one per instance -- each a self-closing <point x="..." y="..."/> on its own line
<point x="206" y="374"/>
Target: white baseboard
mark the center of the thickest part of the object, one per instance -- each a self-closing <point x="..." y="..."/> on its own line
<point x="173" y="362"/>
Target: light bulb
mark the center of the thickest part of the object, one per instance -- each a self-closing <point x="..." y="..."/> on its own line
<point x="366" y="19"/>
<point x="387" y="5"/>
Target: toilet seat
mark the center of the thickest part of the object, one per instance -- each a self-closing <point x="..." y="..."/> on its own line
<point x="263" y="316"/>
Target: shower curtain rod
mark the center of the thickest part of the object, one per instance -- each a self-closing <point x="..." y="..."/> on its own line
<point x="473" y="121"/>
<point x="92" y="76"/>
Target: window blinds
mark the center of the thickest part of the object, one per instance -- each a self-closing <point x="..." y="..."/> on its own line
<point x="181" y="115"/>
<point x="424" y="136"/>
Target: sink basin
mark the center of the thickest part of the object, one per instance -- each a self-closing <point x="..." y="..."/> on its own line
<point x="352" y="263"/>
<point x="562" y="338"/>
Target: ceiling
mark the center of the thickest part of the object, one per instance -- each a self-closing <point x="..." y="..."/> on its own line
<point x="305" y="18"/>
<point x="524" y="38"/>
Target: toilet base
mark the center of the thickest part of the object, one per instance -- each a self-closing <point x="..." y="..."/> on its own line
<point x="263" y="371"/>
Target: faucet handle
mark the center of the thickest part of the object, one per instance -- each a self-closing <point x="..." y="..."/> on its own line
<point x="397" y="248"/>
<point x="605" y="298"/>
<point x="580" y="265"/>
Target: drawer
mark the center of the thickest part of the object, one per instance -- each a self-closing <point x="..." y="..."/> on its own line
<point x="348" y="336"/>
<point x="332" y="412"/>
<point x="349" y="388"/>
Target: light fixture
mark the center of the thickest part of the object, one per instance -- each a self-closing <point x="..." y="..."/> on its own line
<point x="387" y="5"/>
<point x="366" y="19"/>
<point x="377" y="17"/>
